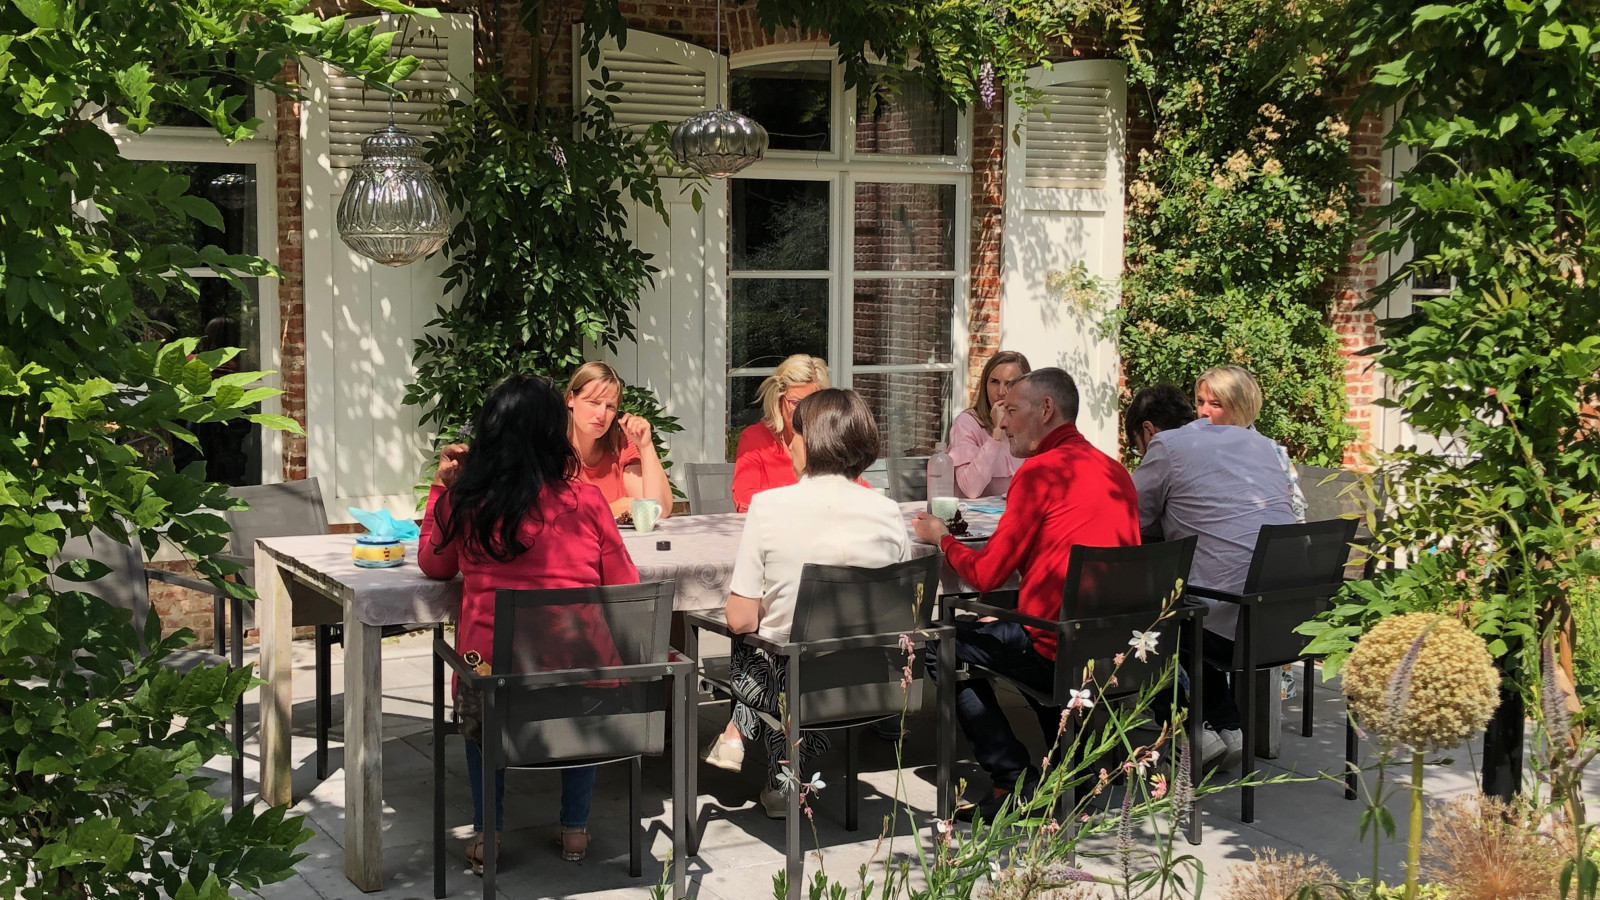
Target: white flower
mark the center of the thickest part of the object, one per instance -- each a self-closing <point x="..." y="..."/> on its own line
<point x="1080" y="699"/>
<point x="1144" y="642"/>
<point x="1151" y="759"/>
<point x="816" y="783"/>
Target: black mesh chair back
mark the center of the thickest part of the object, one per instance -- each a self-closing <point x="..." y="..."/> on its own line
<point x="1109" y="593"/>
<point x="124" y="587"/>
<point x="276" y="510"/>
<point x="908" y="478"/>
<point x="1336" y="494"/>
<point x="1305" y="560"/>
<point x="847" y="601"/>
<point x="710" y="488"/>
<point x="590" y="719"/>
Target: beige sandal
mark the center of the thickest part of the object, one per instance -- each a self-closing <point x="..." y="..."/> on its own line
<point x="574" y="843"/>
<point x="474" y="853"/>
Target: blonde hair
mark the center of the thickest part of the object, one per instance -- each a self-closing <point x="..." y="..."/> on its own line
<point x="797" y="369"/>
<point x="587" y="374"/>
<point x="1236" y="389"/>
<point x="982" y="408"/>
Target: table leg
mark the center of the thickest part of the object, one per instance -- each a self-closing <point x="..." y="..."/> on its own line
<point x="363" y="753"/>
<point x="274" y="615"/>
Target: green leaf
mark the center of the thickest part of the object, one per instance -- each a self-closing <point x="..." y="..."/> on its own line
<point x="46" y="14"/>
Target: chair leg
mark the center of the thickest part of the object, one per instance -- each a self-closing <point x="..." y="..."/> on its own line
<point x="219" y="627"/>
<point x="236" y="611"/>
<point x="794" y="857"/>
<point x="491" y="806"/>
<point x="948" y="732"/>
<point x="1352" y="758"/>
<point x="635" y="809"/>
<point x="324" y="697"/>
<point x="1247" y="708"/>
<point x="1308" y="695"/>
<point x="438" y="772"/>
<point x="691" y="731"/>
<point x="683" y="761"/>
<point x="852" y="785"/>
<point x="1195" y="723"/>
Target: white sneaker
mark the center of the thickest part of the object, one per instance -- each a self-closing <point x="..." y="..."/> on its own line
<point x="1212" y="748"/>
<point x="725" y="754"/>
<point x="1233" y="738"/>
<point x="776" y="802"/>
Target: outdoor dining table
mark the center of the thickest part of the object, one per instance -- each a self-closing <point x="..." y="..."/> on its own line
<point x="697" y="552"/>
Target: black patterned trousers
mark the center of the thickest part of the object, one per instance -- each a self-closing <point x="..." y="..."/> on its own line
<point x="759" y="681"/>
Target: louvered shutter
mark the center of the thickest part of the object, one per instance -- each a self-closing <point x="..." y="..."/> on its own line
<point x="680" y="323"/>
<point x="362" y="318"/>
<point x="355" y="110"/>
<point x="661" y="79"/>
<point x="1063" y="208"/>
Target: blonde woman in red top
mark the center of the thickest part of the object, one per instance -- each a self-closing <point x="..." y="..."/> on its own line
<point x="763" y="459"/>
<point x="615" y="452"/>
<point x="508" y="513"/>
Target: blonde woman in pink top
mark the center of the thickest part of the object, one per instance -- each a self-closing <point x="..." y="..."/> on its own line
<point x="984" y="464"/>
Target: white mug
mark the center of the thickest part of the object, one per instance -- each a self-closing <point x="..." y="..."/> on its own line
<point x="645" y="512"/>
<point x="944" y="507"/>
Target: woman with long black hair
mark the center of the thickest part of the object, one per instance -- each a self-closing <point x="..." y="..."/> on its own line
<point x="508" y="513"/>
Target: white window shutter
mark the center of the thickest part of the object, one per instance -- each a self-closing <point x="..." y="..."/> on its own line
<point x="662" y="79"/>
<point x="355" y="110"/>
<point x="681" y="321"/>
<point x="362" y="318"/>
<point x="1069" y="137"/>
<point x="1063" y="216"/>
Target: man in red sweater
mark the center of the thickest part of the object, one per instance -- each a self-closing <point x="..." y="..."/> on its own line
<point x="1066" y="493"/>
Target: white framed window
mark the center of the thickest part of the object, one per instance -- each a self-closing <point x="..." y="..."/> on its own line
<point x="240" y="179"/>
<point x="849" y="242"/>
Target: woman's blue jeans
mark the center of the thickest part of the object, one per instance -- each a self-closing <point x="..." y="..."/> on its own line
<point x="577" y="787"/>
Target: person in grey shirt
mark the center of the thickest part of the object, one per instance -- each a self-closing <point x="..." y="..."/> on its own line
<point x="1219" y="483"/>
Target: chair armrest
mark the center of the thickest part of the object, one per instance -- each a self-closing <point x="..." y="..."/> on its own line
<point x="887" y="639"/>
<point x="712" y="620"/>
<point x="635" y="672"/>
<point x="1213" y="594"/>
<point x="249" y="562"/>
<point x="184" y="581"/>
<point x="453" y="659"/>
<point x="1006" y="615"/>
<point x="755" y="640"/>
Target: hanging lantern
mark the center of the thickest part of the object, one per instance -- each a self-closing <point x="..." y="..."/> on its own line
<point x="232" y="190"/>
<point x="393" y="210"/>
<point x="717" y="142"/>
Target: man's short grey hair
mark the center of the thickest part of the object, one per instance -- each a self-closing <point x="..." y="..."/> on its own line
<point x="1059" y="387"/>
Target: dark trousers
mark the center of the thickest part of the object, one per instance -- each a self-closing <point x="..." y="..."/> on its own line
<point x="1004" y="648"/>
<point x="1218" y="707"/>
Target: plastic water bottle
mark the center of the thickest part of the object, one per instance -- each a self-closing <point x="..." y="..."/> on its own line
<point x="941" y="473"/>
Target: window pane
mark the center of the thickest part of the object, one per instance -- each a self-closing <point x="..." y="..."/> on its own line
<point x="230" y="187"/>
<point x="900" y="115"/>
<point x="910" y="409"/>
<point x="221" y="316"/>
<point x="792" y="100"/>
<point x="780" y="225"/>
<point x="772" y="318"/>
<point x="744" y="408"/>
<point x="903" y="321"/>
<point x="901" y="227"/>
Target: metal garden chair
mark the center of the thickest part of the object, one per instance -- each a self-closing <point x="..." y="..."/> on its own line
<point x="710" y="488"/>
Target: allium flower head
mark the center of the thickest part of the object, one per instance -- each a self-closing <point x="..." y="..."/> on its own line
<point x="1422" y="680"/>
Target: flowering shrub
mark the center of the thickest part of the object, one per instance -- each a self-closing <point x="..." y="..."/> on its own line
<point x="1239" y="217"/>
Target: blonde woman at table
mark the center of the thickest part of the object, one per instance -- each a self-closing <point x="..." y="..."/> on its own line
<point x="615" y="452"/>
<point x="824" y="518"/>
<point x="984" y="464"/>
<point x="1230" y="395"/>
<point x="764" y="458"/>
<point x="509" y="513"/>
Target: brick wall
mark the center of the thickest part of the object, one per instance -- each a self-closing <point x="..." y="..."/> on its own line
<point x="1358" y="328"/>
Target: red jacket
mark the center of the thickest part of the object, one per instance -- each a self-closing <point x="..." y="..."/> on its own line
<point x="762" y="462"/>
<point x="1068" y="493"/>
